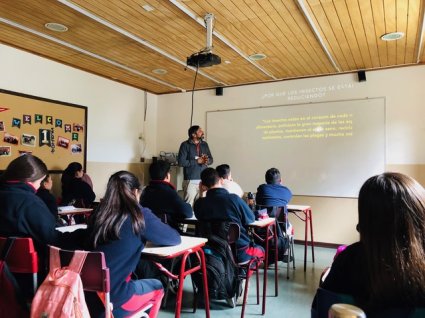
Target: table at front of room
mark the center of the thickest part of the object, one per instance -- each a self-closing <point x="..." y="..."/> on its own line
<point x="189" y="245"/>
<point x="75" y="211"/>
<point x="268" y="223"/>
<point x="308" y="221"/>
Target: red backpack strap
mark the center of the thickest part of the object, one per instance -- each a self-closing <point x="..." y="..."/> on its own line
<point x="77" y="261"/>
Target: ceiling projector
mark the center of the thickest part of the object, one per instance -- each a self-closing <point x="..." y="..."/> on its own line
<point x="205" y="57"/>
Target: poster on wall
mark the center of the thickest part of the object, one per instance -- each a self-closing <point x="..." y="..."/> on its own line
<point x="54" y="131"/>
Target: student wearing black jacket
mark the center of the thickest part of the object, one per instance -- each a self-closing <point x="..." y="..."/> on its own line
<point x="74" y="190"/>
<point x="44" y="194"/>
<point x="161" y="196"/>
<point x="24" y="214"/>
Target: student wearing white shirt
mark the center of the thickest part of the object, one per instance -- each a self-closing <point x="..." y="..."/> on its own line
<point x="226" y="180"/>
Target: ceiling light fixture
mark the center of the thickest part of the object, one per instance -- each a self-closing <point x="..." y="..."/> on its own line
<point x="56" y="27"/>
<point x="148" y="7"/>
<point x="257" y="56"/>
<point x="160" y="71"/>
<point x="392" y="36"/>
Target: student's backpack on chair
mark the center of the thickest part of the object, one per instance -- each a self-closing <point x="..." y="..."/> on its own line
<point x="12" y="302"/>
<point x="61" y="295"/>
<point x="222" y="272"/>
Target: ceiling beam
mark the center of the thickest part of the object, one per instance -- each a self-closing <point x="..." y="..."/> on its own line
<point x="91" y="54"/>
<point x="135" y="38"/>
<point x="317" y="34"/>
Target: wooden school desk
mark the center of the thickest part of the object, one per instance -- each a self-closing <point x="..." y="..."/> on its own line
<point x="189" y="245"/>
<point x="308" y="221"/>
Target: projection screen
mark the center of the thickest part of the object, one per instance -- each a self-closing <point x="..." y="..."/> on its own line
<point x="321" y="149"/>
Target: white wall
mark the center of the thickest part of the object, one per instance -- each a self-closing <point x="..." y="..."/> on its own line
<point x="403" y="89"/>
<point x="116" y="120"/>
<point x="115" y="111"/>
<point x="404" y="95"/>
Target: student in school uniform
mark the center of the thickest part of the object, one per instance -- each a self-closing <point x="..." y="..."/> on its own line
<point x="161" y="196"/>
<point x="119" y="228"/>
<point x="385" y="269"/>
<point x="44" y="194"/>
<point x="76" y="191"/>
<point x="220" y="205"/>
<point x="24" y="214"/>
<point x="227" y="181"/>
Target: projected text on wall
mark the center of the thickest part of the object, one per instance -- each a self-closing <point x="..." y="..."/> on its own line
<point x="307" y="127"/>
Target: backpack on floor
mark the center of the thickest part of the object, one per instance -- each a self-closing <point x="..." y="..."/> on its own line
<point x="12" y="301"/>
<point x="222" y="272"/>
<point x="61" y="295"/>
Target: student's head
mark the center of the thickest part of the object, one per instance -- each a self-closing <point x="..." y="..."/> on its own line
<point x="121" y="200"/>
<point x="273" y="176"/>
<point x="392" y="204"/>
<point x="224" y="171"/>
<point x="391" y="209"/>
<point x="195" y="132"/>
<point x="74" y="169"/>
<point x="47" y="183"/>
<point x="159" y="170"/>
<point x="26" y="168"/>
<point x="209" y="178"/>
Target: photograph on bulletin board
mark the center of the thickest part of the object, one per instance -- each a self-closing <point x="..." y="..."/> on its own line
<point x="54" y="131"/>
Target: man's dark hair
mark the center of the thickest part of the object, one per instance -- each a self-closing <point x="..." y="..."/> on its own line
<point x="223" y="171"/>
<point x="209" y="177"/>
<point x="158" y="170"/>
<point x="273" y="176"/>
<point x="192" y="130"/>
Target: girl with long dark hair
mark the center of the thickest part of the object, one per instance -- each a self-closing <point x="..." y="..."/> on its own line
<point x="119" y="228"/>
<point x="386" y="268"/>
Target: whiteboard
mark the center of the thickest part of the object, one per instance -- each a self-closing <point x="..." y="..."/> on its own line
<point x="321" y="149"/>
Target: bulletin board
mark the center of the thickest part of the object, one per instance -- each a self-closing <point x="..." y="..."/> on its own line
<point x="54" y="131"/>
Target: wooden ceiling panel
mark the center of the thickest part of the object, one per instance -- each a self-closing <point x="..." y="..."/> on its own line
<point x="48" y="49"/>
<point x="119" y="39"/>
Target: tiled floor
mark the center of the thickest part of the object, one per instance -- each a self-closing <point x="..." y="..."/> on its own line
<point x="295" y="294"/>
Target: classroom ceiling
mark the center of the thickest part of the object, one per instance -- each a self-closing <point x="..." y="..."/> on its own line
<point x="131" y="41"/>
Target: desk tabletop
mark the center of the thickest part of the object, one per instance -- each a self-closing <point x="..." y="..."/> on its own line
<point x="187" y="243"/>
<point x="73" y="211"/>
<point x="263" y="222"/>
<point x="295" y="207"/>
<point x="71" y="228"/>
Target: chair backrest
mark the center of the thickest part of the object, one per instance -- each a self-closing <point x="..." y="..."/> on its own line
<point x="22" y="257"/>
<point x="95" y="273"/>
<point x="233" y="235"/>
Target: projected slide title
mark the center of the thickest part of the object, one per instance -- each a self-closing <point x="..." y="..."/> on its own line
<point x="308" y="127"/>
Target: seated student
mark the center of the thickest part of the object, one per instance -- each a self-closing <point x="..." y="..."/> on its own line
<point x="119" y="228"/>
<point x="226" y="180"/>
<point x="161" y="196"/>
<point x="44" y="194"/>
<point x="273" y="193"/>
<point x="74" y="190"/>
<point x="24" y="214"/>
<point x="386" y="268"/>
<point x="220" y="205"/>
